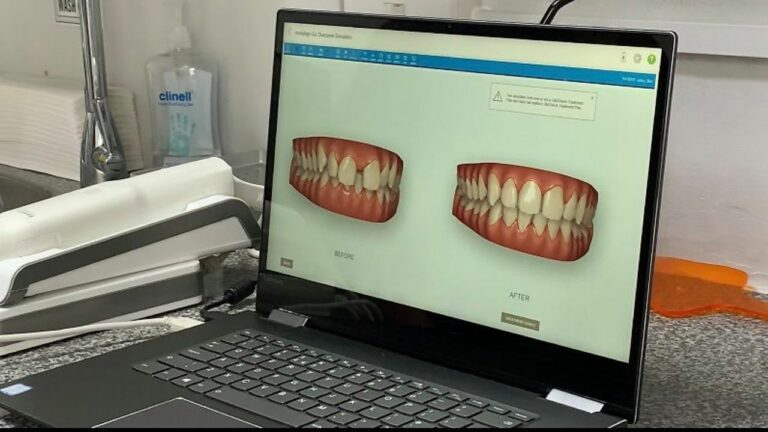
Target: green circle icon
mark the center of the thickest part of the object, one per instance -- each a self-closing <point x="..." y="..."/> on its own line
<point x="652" y="59"/>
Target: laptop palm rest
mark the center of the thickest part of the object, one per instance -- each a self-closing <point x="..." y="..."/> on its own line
<point x="177" y="413"/>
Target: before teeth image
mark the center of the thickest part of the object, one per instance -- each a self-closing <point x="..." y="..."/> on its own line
<point x="350" y="178"/>
<point x="528" y="210"/>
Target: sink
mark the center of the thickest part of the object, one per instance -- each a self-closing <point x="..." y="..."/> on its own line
<point x="19" y="188"/>
<point x="15" y="193"/>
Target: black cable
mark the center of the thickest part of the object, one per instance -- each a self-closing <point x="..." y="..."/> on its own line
<point x="232" y="296"/>
<point x="553" y="9"/>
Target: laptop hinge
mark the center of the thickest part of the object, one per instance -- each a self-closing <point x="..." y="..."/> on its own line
<point x="574" y="401"/>
<point x="288" y="318"/>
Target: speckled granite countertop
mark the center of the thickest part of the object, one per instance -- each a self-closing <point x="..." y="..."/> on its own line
<point x="700" y="372"/>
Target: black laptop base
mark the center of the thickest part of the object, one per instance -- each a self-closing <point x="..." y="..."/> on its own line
<point x="109" y="391"/>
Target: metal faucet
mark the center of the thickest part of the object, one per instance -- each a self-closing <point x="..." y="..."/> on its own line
<point x="102" y="158"/>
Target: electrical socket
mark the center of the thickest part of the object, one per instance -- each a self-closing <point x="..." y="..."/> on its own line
<point x="67" y="11"/>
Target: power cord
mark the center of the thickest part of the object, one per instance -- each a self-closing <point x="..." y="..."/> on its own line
<point x="232" y="296"/>
<point x="175" y="324"/>
<point x="553" y="9"/>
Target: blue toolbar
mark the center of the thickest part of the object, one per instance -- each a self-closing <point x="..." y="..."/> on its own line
<point x="492" y="67"/>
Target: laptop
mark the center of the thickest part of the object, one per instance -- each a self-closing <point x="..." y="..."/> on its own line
<point x="459" y="231"/>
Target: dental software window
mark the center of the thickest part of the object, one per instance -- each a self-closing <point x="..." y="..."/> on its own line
<point x="497" y="181"/>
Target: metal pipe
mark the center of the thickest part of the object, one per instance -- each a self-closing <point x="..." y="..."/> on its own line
<point x="102" y="157"/>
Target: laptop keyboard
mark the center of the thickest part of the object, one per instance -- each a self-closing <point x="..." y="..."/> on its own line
<point x="301" y="386"/>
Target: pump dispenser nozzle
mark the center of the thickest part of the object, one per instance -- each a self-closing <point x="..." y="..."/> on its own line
<point x="180" y="37"/>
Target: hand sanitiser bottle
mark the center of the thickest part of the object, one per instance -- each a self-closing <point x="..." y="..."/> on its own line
<point x="183" y="98"/>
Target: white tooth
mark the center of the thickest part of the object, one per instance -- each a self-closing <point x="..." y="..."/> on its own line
<point x="335" y="182"/>
<point x="316" y="177"/>
<point x="313" y="161"/>
<point x="539" y="223"/>
<point x="530" y="198"/>
<point x="464" y="201"/>
<point x="523" y="220"/>
<point x="333" y="166"/>
<point x="470" y="206"/>
<point x="475" y="190"/>
<point x="347" y="171"/>
<point x="462" y="188"/>
<point x="324" y="179"/>
<point x="509" y="194"/>
<point x="484" y="208"/>
<point x="554" y="227"/>
<point x="477" y="207"/>
<point x="397" y="183"/>
<point x="468" y="187"/>
<point x="384" y="177"/>
<point x="510" y="215"/>
<point x="482" y="189"/>
<point x="322" y="159"/>
<point x="303" y="161"/>
<point x="566" y="227"/>
<point x="581" y="209"/>
<point x="495" y="214"/>
<point x="380" y="196"/>
<point x="371" y="176"/>
<point x="570" y="209"/>
<point x="552" y="207"/>
<point x="299" y="171"/>
<point x="358" y="183"/>
<point x="576" y="231"/>
<point x="368" y="194"/>
<point x="494" y="189"/>
<point x="392" y="175"/>
<point x="589" y="217"/>
<point x="387" y="195"/>
<point x="306" y="175"/>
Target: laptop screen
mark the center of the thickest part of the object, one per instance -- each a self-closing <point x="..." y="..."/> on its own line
<point x="497" y="181"/>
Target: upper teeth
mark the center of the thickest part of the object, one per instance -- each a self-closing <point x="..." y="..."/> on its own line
<point x="530" y="198"/>
<point x="347" y="171"/>
<point x="509" y="194"/>
<point x="547" y="212"/>
<point x="494" y="190"/>
<point x="372" y="176"/>
<point x="329" y="167"/>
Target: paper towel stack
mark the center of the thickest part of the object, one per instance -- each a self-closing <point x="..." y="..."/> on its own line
<point x="41" y="124"/>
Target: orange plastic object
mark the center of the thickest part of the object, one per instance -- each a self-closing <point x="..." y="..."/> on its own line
<point x="685" y="288"/>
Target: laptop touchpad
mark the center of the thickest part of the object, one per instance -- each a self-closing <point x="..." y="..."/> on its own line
<point x="177" y="413"/>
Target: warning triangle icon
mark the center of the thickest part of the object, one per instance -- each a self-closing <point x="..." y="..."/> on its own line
<point x="498" y="97"/>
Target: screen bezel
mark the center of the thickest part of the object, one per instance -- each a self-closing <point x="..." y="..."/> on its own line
<point x="528" y="363"/>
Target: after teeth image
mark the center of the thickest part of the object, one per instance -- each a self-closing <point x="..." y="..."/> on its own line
<point x="526" y="209"/>
<point x="350" y="178"/>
